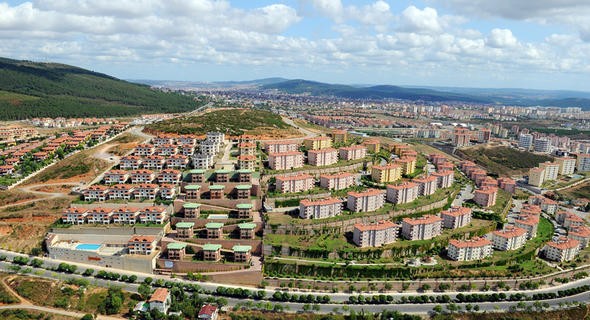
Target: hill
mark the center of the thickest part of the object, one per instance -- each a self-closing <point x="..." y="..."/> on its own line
<point x="519" y="97"/>
<point x="229" y="121"/>
<point x="373" y="92"/>
<point x="502" y="161"/>
<point x="32" y="89"/>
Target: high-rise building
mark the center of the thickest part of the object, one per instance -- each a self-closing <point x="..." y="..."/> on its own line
<point x="525" y="141"/>
<point x="542" y="145"/>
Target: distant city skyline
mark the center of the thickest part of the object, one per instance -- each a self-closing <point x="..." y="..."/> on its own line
<point x="543" y="44"/>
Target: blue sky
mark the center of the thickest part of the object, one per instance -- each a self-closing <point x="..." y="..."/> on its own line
<point x="473" y="43"/>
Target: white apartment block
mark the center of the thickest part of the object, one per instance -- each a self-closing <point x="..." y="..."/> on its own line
<point x="144" y="245"/>
<point x="202" y="161"/>
<point x="216" y="137"/>
<point x="426" y="185"/>
<point x="375" y="234"/>
<point x="567" y="165"/>
<point x="580" y="233"/>
<point x="456" y="217"/>
<point x="444" y="178"/>
<point x="295" y="183"/>
<point x="525" y="140"/>
<point x="469" y="250"/>
<point x="285" y="160"/>
<point x="583" y="162"/>
<point x="365" y="201"/>
<point x="319" y="209"/>
<point x="562" y="249"/>
<point x="551" y="170"/>
<point x="421" y="228"/>
<point x="529" y="223"/>
<point x="337" y="181"/>
<point x="542" y="145"/>
<point x="322" y="157"/>
<point x="511" y="238"/>
<point x="353" y="152"/>
<point x="402" y="193"/>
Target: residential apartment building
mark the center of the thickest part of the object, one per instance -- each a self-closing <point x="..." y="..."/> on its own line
<point x="125" y="215"/>
<point x="317" y="143"/>
<point x="536" y="176"/>
<point x="426" y="185"/>
<point x="353" y="152"/>
<point x="444" y="178"/>
<point x="375" y="234"/>
<point x="294" y="183"/>
<point x="285" y="160"/>
<point x="320" y="209"/>
<point x="408" y="164"/>
<point x="583" y="160"/>
<point x="562" y="249"/>
<point x="247" y="162"/>
<point x="525" y="141"/>
<point x="511" y="238"/>
<point x="486" y="196"/>
<point x="456" y="217"/>
<point x="542" y="145"/>
<point x="322" y="157"/>
<point x="338" y="181"/>
<point x="551" y="170"/>
<point x="507" y="184"/>
<point x="365" y="201"/>
<point x="74" y="215"/>
<point x="528" y="222"/>
<point x="580" y="233"/>
<point x="567" y="165"/>
<point x="387" y="173"/>
<point x="402" y="193"/>
<point x="469" y="250"/>
<point x="115" y="176"/>
<point x="421" y="228"/>
<point x="144" y="245"/>
<point x="280" y="146"/>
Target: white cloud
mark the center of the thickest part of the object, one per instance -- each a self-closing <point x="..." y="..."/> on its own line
<point x="421" y="21"/>
<point x="501" y="38"/>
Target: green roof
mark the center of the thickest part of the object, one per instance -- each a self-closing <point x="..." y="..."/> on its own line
<point x="222" y="171"/>
<point x="216" y="187"/>
<point x="239" y="248"/>
<point x="247" y="225"/>
<point x="244" y="187"/>
<point x="214" y="225"/>
<point x="244" y="171"/>
<point x="244" y="206"/>
<point x="197" y="171"/>
<point x="192" y="187"/>
<point x="191" y="205"/>
<point x="211" y="247"/>
<point x="176" y="246"/>
<point x="185" y="225"/>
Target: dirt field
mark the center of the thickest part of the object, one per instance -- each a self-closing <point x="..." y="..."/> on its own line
<point x="579" y="191"/>
<point x="14" y="196"/>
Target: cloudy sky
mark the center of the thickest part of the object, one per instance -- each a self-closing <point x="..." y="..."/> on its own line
<point x="474" y="43"/>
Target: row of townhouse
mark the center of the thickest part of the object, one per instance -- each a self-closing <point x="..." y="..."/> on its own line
<point x="121" y="215"/>
<point x="128" y="191"/>
<point x="157" y="162"/>
<point x="142" y="176"/>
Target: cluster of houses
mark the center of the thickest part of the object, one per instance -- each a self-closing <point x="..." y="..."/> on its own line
<point x="10" y="134"/>
<point x="70" y="122"/>
<point x="119" y="215"/>
<point x="161" y="300"/>
<point x="44" y="150"/>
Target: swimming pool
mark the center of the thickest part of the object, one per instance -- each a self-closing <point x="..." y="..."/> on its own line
<point x="88" y="246"/>
<point x="217" y="216"/>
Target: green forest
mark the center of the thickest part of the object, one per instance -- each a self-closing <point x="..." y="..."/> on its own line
<point x="30" y="89"/>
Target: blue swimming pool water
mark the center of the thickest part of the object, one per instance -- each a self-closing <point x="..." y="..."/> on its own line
<point x="88" y="246"/>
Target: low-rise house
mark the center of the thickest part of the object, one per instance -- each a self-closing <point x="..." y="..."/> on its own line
<point x="96" y="193"/>
<point x="375" y="234"/>
<point x="222" y="176"/>
<point x="167" y="191"/>
<point x="244" y="175"/>
<point x="214" y="230"/>
<point x="456" y="217"/>
<point x="185" y="229"/>
<point x="294" y="183"/>
<point x="143" y="150"/>
<point x="244" y="210"/>
<point x="166" y="150"/>
<point x="511" y="238"/>
<point x="144" y="245"/>
<point x="153" y="214"/>
<point x="320" y="209"/>
<point x="191" y="210"/>
<point x="338" y="181"/>
<point x="402" y="193"/>
<point x="121" y="192"/>
<point x="365" y="201"/>
<point x="142" y="176"/>
<point x="469" y="250"/>
<point x="125" y="215"/>
<point x="242" y="253"/>
<point x="130" y="163"/>
<point x="243" y="191"/>
<point x="421" y="228"/>
<point x="154" y="162"/>
<point x="176" y="251"/>
<point x="211" y="252"/>
<point x="216" y="191"/>
<point x="202" y="160"/>
<point x="247" y="230"/>
<point x="187" y="150"/>
<point x="146" y="191"/>
<point x="192" y="191"/>
<point x="197" y="175"/>
<point x="562" y="249"/>
<point x="169" y="176"/>
<point x="115" y="177"/>
<point x="178" y="161"/>
<point x="160" y="300"/>
<point x="208" y="312"/>
<point x="247" y="161"/>
<point x="74" y="215"/>
<point x="99" y="215"/>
